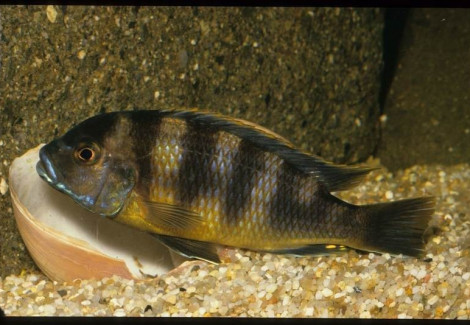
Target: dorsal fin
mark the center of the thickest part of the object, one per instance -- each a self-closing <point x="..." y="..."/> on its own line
<point x="335" y="177"/>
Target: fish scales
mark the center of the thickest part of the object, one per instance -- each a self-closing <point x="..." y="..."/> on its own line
<point x="195" y="180"/>
<point x="185" y="171"/>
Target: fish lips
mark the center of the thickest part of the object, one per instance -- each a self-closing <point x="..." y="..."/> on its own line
<point x="40" y="169"/>
<point x="46" y="170"/>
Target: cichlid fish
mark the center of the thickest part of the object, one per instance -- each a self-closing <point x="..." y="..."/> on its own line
<point x="198" y="181"/>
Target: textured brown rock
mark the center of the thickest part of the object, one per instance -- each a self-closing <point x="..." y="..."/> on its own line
<point x="428" y="118"/>
<point x="311" y="75"/>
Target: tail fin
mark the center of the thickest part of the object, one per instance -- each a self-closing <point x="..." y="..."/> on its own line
<point x="398" y="227"/>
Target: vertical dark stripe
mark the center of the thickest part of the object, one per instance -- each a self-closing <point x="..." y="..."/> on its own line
<point x="286" y="213"/>
<point x="194" y="172"/>
<point x="145" y="130"/>
<point x="97" y="127"/>
<point x="321" y="215"/>
<point x="247" y="163"/>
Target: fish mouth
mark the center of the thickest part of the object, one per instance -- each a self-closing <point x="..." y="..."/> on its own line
<point x="47" y="172"/>
<point x="45" y="168"/>
<point x="42" y="172"/>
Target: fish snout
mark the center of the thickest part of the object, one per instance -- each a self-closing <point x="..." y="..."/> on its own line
<point x="45" y="168"/>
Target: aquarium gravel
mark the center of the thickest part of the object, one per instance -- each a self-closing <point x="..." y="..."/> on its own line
<point x="265" y="285"/>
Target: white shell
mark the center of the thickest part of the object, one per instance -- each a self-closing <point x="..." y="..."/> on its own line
<point x="68" y="242"/>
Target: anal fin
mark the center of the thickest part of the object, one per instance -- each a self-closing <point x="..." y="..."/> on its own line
<point x="311" y="250"/>
<point x="191" y="248"/>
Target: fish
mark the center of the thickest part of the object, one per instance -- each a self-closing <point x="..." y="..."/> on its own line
<point x="200" y="181"/>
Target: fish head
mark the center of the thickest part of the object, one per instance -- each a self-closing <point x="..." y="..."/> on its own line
<point x="82" y="165"/>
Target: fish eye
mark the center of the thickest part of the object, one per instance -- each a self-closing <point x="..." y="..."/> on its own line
<point x="87" y="153"/>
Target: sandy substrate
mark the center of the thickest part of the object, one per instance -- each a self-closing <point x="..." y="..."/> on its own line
<point x="252" y="284"/>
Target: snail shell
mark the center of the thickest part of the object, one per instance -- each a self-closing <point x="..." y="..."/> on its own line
<point x="68" y="242"/>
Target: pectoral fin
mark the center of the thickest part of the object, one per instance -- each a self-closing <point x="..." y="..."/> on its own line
<point x="169" y="216"/>
<point x="191" y="248"/>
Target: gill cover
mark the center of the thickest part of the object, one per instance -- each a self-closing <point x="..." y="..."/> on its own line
<point x="115" y="188"/>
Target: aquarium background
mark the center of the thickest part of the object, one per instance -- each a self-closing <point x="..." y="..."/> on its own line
<point x="310" y="74"/>
<point x="386" y="86"/>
